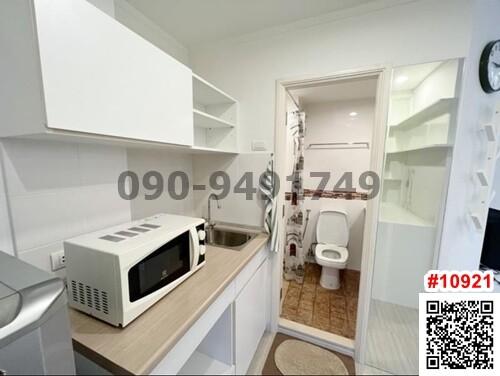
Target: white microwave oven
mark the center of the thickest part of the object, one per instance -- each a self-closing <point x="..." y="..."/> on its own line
<point x="118" y="273"/>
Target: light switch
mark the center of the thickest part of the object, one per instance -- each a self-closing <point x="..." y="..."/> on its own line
<point x="259" y="145"/>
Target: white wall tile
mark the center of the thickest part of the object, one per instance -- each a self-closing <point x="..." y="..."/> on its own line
<point x="234" y="207"/>
<point x="104" y="207"/>
<point x="39" y="219"/>
<point x="40" y="257"/>
<point x="101" y="164"/>
<point x="33" y="166"/>
<point x="58" y="190"/>
<point x="165" y="162"/>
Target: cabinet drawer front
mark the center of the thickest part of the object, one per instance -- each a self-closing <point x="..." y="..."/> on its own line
<point x="99" y="77"/>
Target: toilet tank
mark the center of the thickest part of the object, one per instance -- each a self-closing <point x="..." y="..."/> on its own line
<point x="332" y="228"/>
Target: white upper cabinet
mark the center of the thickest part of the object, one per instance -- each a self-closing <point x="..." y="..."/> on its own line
<point x="95" y="76"/>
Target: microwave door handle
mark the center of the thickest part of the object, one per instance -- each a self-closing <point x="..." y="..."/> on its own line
<point x="196" y="248"/>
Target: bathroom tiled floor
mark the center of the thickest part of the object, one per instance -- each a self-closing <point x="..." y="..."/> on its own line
<point x="330" y="310"/>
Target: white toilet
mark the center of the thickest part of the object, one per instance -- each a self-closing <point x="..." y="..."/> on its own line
<point x="332" y="235"/>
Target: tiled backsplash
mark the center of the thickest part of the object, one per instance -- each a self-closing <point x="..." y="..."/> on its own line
<point x="322" y="193"/>
<point x="58" y="190"/>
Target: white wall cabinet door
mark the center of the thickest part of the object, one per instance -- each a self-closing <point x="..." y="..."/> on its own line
<point x="100" y="77"/>
<point x="250" y="318"/>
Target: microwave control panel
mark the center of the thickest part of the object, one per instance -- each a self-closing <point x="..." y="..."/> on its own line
<point x="200" y="229"/>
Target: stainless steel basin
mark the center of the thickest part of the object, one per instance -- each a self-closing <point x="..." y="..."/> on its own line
<point x="229" y="238"/>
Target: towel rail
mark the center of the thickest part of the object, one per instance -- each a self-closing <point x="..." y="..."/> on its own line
<point x="338" y="145"/>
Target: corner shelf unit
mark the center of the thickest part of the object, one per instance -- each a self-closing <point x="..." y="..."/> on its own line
<point x="419" y="145"/>
<point x="440" y="107"/>
<point x="422" y="148"/>
<point x="393" y="213"/>
<point x="214" y="118"/>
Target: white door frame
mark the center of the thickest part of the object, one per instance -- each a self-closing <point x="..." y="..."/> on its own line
<point x="376" y="164"/>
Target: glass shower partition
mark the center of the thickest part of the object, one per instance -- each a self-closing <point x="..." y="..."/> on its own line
<point x="418" y="151"/>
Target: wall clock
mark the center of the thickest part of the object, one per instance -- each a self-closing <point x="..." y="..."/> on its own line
<point x="489" y="67"/>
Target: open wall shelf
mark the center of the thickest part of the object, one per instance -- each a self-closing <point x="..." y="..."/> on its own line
<point x="393" y="213"/>
<point x="205" y="150"/>
<point x="422" y="148"/>
<point x="438" y="108"/>
<point x="214" y="118"/>
<point x="207" y="94"/>
<point x="204" y="120"/>
<point x="420" y="138"/>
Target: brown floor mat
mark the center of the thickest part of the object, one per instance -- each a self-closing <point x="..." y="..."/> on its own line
<point x="270" y="367"/>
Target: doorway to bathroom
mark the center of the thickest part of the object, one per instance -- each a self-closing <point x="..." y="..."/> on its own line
<point x="326" y="151"/>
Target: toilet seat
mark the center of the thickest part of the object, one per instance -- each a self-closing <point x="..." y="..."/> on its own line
<point x="331" y="255"/>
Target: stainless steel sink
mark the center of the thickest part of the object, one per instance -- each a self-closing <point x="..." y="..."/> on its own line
<point x="229" y="238"/>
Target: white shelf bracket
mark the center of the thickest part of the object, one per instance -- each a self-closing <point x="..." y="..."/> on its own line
<point x="476" y="219"/>
<point x="483" y="178"/>
<point x="491" y="133"/>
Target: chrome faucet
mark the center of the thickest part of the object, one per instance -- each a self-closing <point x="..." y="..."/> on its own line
<point x="210" y="223"/>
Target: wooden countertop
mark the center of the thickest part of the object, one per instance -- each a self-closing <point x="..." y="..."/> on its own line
<point x="137" y="348"/>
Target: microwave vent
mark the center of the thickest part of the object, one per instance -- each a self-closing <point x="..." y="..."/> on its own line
<point x="90" y="297"/>
<point x="150" y="225"/>
<point x="129" y="233"/>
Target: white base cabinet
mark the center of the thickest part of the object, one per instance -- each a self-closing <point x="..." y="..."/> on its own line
<point x="224" y="339"/>
<point x="250" y="312"/>
<point x="69" y="67"/>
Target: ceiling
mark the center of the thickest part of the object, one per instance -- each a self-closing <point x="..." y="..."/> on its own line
<point x="193" y="22"/>
<point x="408" y="77"/>
<point x="360" y="88"/>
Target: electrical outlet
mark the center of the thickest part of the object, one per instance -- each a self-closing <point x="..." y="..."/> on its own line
<point x="57" y="260"/>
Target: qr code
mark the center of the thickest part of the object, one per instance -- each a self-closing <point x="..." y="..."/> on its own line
<point x="459" y="331"/>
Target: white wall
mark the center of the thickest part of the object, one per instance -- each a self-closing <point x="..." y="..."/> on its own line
<point x="141" y="161"/>
<point x="58" y="190"/>
<point x="248" y="68"/>
<point x="234" y="208"/>
<point x="136" y="21"/>
<point x="6" y="244"/>
<point x="420" y="31"/>
<point x="439" y="84"/>
<point x="330" y="122"/>
<point x="461" y="243"/>
<point x="107" y="6"/>
<point x="398" y="274"/>
<point x="125" y="13"/>
<point x="495" y="204"/>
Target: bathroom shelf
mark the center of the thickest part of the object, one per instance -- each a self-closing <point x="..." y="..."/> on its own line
<point x="205" y="120"/>
<point x="393" y="213"/>
<point x="207" y="94"/>
<point x="426" y="147"/>
<point x="438" y="108"/>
